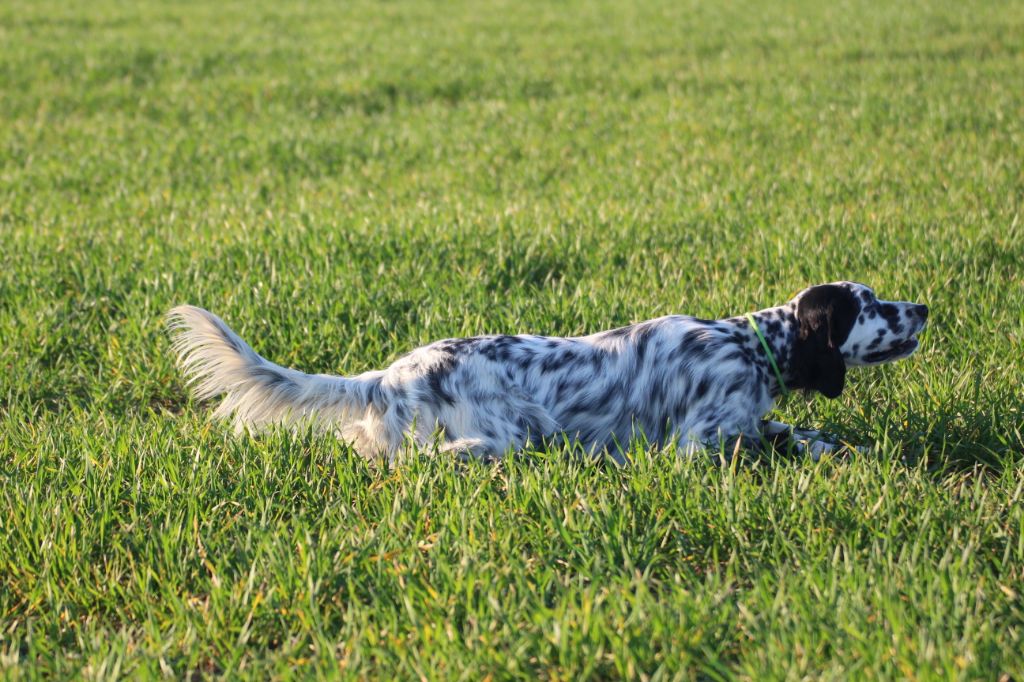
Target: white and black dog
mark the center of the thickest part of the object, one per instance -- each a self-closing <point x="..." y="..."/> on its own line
<point x="679" y="379"/>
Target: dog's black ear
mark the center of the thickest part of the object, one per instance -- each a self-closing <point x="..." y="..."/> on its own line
<point x="825" y="316"/>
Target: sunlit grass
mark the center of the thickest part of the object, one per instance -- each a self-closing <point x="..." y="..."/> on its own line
<point x="344" y="182"/>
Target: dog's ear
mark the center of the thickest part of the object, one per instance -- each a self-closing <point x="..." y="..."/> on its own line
<point x="825" y="316"/>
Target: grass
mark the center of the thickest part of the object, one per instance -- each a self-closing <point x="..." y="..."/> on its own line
<point x="342" y="182"/>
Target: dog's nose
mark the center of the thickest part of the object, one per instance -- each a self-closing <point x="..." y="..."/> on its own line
<point x="921" y="311"/>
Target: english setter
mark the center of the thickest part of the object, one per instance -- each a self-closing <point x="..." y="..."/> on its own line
<point x="679" y="379"/>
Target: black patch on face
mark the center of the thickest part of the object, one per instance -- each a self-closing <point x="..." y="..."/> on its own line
<point x="825" y="316"/>
<point x="918" y="311"/>
<point x="895" y="351"/>
<point x="891" y="314"/>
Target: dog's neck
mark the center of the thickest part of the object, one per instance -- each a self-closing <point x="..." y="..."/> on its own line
<point x="779" y="327"/>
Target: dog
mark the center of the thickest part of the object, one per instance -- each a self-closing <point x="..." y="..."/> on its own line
<point x="693" y="382"/>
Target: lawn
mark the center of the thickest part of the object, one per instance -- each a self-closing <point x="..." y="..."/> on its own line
<point x="344" y="181"/>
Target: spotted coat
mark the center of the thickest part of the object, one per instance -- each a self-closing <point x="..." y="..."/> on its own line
<point x="672" y="379"/>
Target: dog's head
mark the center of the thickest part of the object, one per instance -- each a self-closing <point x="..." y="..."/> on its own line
<point x="844" y="325"/>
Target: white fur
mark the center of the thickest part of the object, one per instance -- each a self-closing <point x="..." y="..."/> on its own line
<point x="673" y="379"/>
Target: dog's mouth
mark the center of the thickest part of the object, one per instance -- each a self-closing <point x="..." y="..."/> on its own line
<point x="895" y="352"/>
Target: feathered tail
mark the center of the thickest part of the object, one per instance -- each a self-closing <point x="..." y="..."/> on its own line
<point x="257" y="392"/>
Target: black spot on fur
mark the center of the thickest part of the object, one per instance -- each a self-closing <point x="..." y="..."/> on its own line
<point x="737" y="385"/>
<point x="526" y="425"/>
<point x="583" y="406"/>
<point x="227" y="338"/>
<point x="691" y="339"/>
<point x="376" y="394"/>
<point x="556" y="361"/>
<point x="613" y="394"/>
<point x="702" y="388"/>
<point x="457" y="346"/>
<point x="711" y="416"/>
<point x="740" y="354"/>
<point x="525" y="359"/>
<point x="271" y="378"/>
<point x="618" y="332"/>
<point x="657" y="395"/>
<point x="435" y="377"/>
<point x="643" y="338"/>
<point x="702" y="352"/>
<point x="551" y="363"/>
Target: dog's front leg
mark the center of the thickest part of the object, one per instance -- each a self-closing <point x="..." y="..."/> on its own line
<point x="804" y="441"/>
<point x="770" y="429"/>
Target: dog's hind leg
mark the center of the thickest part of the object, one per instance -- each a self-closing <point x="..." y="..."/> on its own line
<point x="473" y="449"/>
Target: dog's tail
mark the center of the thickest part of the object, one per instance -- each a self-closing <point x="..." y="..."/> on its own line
<point x="257" y="392"/>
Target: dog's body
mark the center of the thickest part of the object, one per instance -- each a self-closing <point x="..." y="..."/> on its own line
<point x="675" y="378"/>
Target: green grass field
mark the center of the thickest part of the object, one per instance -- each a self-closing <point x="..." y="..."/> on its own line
<point x="342" y="182"/>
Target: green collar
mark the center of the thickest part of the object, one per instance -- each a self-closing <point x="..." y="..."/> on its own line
<point x="768" y="350"/>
